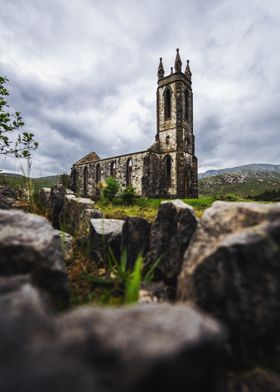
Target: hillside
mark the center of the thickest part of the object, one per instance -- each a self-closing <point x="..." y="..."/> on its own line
<point x="20" y="180"/>
<point x="251" y="169"/>
<point x="243" y="183"/>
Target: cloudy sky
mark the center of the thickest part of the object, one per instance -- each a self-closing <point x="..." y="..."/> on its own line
<point x="83" y="75"/>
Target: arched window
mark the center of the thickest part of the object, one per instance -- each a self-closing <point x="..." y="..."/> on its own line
<point x="74" y="179"/>
<point x="186" y="98"/>
<point x="113" y="169"/>
<point x="188" y="180"/>
<point x="128" y="172"/>
<point x="167" y="139"/>
<point x="85" y="180"/>
<point x="167" y="171"/>
<point x="98" y="173"/>
<point x="167" y="104"/>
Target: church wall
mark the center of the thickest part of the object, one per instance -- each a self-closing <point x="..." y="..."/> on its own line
<point x="120" y="173"/>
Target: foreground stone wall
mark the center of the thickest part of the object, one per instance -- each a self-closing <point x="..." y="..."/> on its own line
<point x="223" y="336"/>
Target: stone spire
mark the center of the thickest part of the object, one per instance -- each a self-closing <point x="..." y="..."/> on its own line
<point x="178" y="62"/>
<point x="188" y="70"/>
<point x="160" y="69"/>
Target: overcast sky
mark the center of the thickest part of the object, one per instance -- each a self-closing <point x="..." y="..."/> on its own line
<point x="83" y="75"/>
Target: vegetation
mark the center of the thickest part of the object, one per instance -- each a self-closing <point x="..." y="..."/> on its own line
<point x="65" y="180"/>
<point x="13" y="141"/>
<point x="147" y="207"/>
<point x="240" y="184"/>
<point x="113" y="284"/>
<point x="270" y="195"/>
<point x="18" y="181"/>
<point x="128" y="195"/>
<point x="110" y="189"/>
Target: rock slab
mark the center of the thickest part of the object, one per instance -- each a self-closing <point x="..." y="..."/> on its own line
<point x="56" y="204"/>
<point x="171" y="234"/>
<point x="29" y="245"/>
<point x="76" y="214"/>
<point x="232" y="271"/>
<point x="105" y="239"/>
<point x="135" y="239"/>
<point x="150" y="347"/>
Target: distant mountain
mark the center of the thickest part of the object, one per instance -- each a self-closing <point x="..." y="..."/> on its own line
<point x="244" y="169"/>
<point x="20" y="180"/>
<point x="248" y="182"/>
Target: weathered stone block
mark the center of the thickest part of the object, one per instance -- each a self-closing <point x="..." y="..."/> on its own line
<point x="8" y="197"/>
<point x="105" y="238"/>
<point x="135" y="238"/>
<point x="28" y="245"/>
<point x="171" y="234"/>
<point x="56" y="204"/>
<point x="232" y="270"/>
<point x="65" y="240"/>
<point x="45" y="195"/>
<point x="76" y="214"/>
<point x="151" y="347"/>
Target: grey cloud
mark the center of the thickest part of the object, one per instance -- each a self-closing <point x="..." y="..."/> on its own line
<point x="83" y="74"/>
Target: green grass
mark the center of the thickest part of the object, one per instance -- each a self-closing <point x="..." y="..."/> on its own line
<point x="147" y="208"/>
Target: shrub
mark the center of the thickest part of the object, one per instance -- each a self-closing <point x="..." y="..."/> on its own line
<point x="65" y="180"/>
<point x="230" y="197"/>
<point x="128" y="195"/>
<point x="111" y="189"/>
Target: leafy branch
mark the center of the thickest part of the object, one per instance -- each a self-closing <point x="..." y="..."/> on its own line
<point x="10" y="124"/>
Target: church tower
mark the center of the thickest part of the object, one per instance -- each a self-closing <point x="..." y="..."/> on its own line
<point x="175" y="130"/>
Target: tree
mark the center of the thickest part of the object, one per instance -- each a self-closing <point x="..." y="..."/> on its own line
<point x="20" y="145"/>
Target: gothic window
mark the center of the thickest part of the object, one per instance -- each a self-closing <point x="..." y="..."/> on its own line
<point x="74" y="180"/>
<point x="113" y="169"/>
<point x="128" y="172"/>
<point x="98" y="173"/>
<point x="188" y="180"/>
<point x="85" y="180"/>
<point x="186" y="98"/>
<point x="167" y="171"/>
<point x="167" y="140"/>
<point x="167" y="104"/>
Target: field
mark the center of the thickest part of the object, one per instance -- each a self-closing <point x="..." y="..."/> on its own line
<point x="147" y="208"/>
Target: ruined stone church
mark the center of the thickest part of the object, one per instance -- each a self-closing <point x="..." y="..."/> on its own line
<point x="168" y="168"/>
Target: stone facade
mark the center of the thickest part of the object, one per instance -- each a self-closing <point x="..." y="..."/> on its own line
<point x="166" y="169"/>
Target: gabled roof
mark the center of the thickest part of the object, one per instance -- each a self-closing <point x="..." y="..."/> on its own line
<point x="91" y="157"/>
<point x="155" y="147"/>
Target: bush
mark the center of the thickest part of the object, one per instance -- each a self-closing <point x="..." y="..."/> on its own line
<point x="111" y="189"/>
<point x="65" y="180"/>
<point x="230" y="197"/>
<point x="269" y="195"/>
<point x="128" y="195"/>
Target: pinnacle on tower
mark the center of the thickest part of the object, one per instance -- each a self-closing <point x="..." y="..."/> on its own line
<point x="178" y="62"/>
<point x="160" y="69"/>
<point x="188" y="70"/>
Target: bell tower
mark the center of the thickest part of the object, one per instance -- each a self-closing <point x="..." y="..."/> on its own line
<point x="175" y="129"/>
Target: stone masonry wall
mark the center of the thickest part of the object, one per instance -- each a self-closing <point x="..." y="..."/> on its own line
<point x="105" y="164"/>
